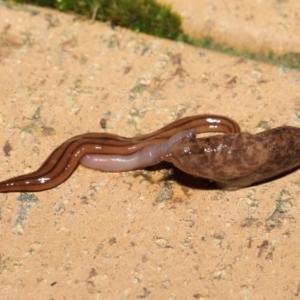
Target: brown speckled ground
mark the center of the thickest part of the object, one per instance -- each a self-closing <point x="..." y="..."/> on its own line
<point x="136" y="235"/>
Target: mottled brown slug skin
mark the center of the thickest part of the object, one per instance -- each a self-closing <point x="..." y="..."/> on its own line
<point x="238" y="160"/>
<point x="63" y="160"/>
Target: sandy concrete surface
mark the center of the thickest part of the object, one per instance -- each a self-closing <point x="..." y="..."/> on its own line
<point x="148" y="234"/>
<point x="258" y="26"/>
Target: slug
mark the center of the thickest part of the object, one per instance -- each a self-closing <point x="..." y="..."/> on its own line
<point x="239" y="160"/>
<point x="110" y="152"/>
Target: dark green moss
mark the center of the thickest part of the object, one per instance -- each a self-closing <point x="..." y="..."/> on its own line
<point x="48" y="3"/>
<point x="146" y="16"/>
<point x="289" y="60"/>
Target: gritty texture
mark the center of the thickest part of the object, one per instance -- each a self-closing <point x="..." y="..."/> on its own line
<point x="258" y="26"/>
<point x="148" y="234"/>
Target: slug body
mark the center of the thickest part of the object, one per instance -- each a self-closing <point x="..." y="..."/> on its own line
<point x="238" y="160"/>
<point x="115" y="152"/>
